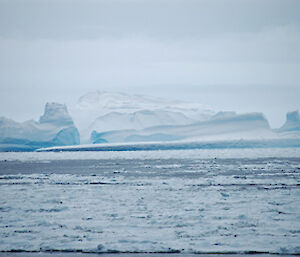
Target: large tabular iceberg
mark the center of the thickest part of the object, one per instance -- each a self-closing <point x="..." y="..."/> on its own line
<point x="222" y="126"/>
<point x="105" y="111"/>
<point x="54" y="128"/>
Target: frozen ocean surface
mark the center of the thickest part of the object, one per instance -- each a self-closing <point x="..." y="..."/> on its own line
<point x="157" y="154"/>
<point x="187" y="201"/>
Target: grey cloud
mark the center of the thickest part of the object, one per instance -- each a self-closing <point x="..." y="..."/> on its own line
<point x="162" y="19"/>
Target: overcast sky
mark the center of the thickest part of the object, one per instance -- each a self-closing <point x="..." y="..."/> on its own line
<point x="241" y="55"/>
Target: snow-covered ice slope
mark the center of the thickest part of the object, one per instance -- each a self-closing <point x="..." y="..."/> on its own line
<point x="55" y="127"/>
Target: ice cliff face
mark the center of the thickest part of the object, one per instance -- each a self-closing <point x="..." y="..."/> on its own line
<point x="54" y="128"/>
<point x="292" y="122"/>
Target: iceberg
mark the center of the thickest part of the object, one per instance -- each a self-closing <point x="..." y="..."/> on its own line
<point x="292" y="122"/>
<point x="221" y="126"/>
<point x="117" y="118"/>
<point x="222" y="130"/>
<point x="106" y="111"/>
<point x="57" y="114"/>
<point x="55" y="127"/>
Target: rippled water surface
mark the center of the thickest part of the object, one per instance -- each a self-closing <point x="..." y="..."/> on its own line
<point x="187" y="201"/>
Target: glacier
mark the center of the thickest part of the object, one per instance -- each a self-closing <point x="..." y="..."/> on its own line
<point x="54" y="128"/>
